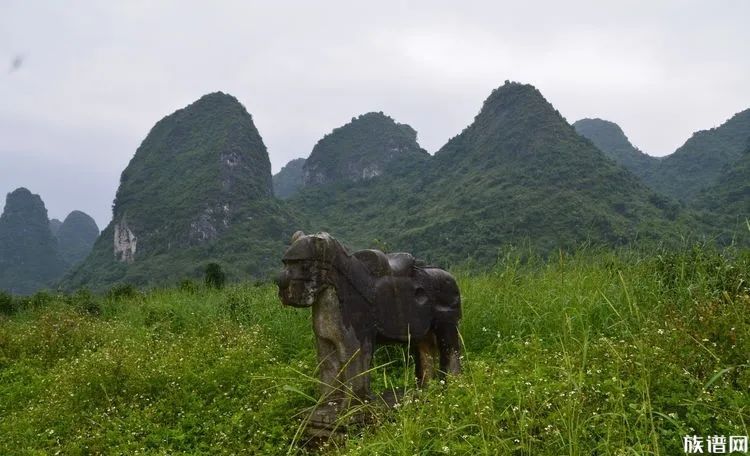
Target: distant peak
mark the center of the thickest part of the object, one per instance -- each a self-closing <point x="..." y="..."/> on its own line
<point x="587" y="124"/>
<point x="373" y="115"/>
<point x="21" y="200"/>
<point x="218" y="95"/>
<point x="295" y="162"/>
<point x="211" y="101"/>
<point x="515" y="85"/>
<point x="21" y="191"/>
<point x="216" y="98"/>
<point x="743" y="114"/>
<point x="372" y="119"/>
<point x="219" y="103"/>
<point x="364" y="148"/>
<point x="79" y="216"/>
<point x="512" y="95"/>
<point x="741" y="118"/>
<point x="512" y="89"/>
<point x="611" y="139"/>
<point x="596" y="121"/>
<point x="22" y="196"/>
<point x="77" y="213"/>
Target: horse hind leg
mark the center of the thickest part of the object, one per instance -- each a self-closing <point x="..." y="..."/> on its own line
<point x="424" y="356"/>
<point x="449" y="344"/>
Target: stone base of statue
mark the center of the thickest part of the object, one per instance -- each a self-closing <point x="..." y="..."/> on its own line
<point x="329" y="420"/>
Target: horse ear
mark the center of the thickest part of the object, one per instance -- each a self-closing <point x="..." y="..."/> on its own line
<point x="297" y="235"/>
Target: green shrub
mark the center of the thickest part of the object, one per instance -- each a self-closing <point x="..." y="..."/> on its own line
<point x="7" y="306"/>
<point x="214" y="276"/>
<point x="122" y="290"/>
<point x="84" y="301"/>
<point x="188" y="285"/>
<point x="41" y="299"/>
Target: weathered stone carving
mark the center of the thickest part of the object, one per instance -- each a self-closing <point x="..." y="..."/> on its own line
<point x="362" y="298"/>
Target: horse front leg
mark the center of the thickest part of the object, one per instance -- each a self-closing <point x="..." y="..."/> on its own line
<point x="449" y="344"/>
<point x="356" y="358"/>
<point x="325" y="415"/>
<point x="329" y="368"/>
<point x="344" y="381"/>
<point x="424" y="357"/>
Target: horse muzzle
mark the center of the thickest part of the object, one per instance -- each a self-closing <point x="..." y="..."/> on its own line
<point x="281" y="279"/>
<point x="296" y="293"/>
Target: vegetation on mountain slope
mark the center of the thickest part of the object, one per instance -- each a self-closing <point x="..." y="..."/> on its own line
<point x="29" y="258"/>
<point x="519" y="174"/>
<point x="197" y="190"/>
<point x="288" y="180"/>
<point x="54" y="226"/>
<point x="609" y="138"/>
<point x="370" y="145"/>
<point x="76" y="237"/>
<point x="701" y="161"/>
<point x="727" y="203"/>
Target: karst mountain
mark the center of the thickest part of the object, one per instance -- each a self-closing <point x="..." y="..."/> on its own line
<point x="288" y="180"/>
<point x="76" y="236"/>
<point x="29" y="256"/>
<point x="727" y="202"/>
<point x="703" y="160"/>
<point x="368" y="146"/>
<point x="518" y="174"/>
<point x="54" y="226"/>
<point x="609" y="138"/>
<point x="198" y="189"/>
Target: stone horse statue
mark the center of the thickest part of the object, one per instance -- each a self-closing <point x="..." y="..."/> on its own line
<point x="363" y="298"/>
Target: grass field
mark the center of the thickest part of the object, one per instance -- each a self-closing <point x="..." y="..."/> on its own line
<point x="592" y="353"/>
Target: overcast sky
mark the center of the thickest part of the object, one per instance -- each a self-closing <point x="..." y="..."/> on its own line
<point x="84" y="82"/>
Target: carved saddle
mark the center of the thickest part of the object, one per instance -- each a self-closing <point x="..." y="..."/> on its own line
<point x="399" y="264"/>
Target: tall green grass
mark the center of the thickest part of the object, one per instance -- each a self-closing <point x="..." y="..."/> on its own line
<point x="592" y="353"/>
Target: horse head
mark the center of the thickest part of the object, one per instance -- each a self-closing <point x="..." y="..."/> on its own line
<point x="308" y="265"/>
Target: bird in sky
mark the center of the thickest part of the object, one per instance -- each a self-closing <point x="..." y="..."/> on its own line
<point x="16" y="63"/>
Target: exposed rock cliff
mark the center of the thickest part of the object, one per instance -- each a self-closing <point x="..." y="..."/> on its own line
<point x="125" y="242"/>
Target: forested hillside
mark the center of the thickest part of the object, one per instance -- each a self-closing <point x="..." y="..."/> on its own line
<point x="701" y="162"/>
<point x="610" y="139"/>
<point x="519" y="174"/>
<point x="197" y="190"/>
<point x="368" y="146"/>
<point x="289" y="179"/>
<point x="29" y="257"/>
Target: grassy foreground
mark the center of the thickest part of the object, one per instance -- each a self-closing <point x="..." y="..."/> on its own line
<point x="595" y="353"/>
